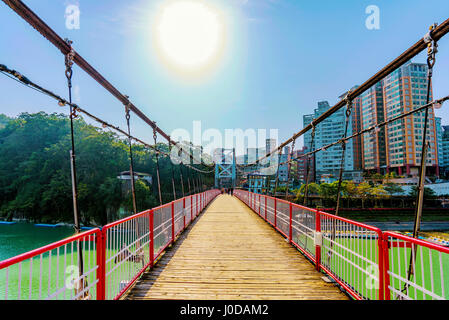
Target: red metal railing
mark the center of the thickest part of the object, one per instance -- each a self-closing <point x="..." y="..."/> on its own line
<point x="415" y="269"/>
<point x="51" y="272"/>
<point x="367" y="263"/>
<point x="113" y="257"/>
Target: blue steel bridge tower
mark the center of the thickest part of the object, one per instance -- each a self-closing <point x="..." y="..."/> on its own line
<point x="225" y="170"/>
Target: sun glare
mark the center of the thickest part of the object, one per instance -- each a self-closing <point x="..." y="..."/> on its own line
<point x="189" y="34"/>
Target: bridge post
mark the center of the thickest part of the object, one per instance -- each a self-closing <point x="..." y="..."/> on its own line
<point x="184" y="211"/>
<point x="290" y="224"/>
<point x="260" y="210"/>
<point x="318" y="246"/>
<point x="252" y="200"/>
<point x="197" y="205"/>
<point x="266" y="207"/>
<point x="151" y="240"/>
<point x="191" y="209"/>
<point x="101" y="261"/>
<point x="172" y="222"/>
<point x="386" y="263"/>
<point x="275" y="212"/>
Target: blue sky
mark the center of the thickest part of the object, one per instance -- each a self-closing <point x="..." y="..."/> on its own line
<point x="281" y="58"/>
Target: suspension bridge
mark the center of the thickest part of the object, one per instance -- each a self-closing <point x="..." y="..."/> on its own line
<point x="210" y="245"/>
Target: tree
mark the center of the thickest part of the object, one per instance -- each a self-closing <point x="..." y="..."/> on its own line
<point x="363" y="191"/>
<point x="428" y="193"/>
<point x="393" y="188"/>
<point x="312" y="190"/>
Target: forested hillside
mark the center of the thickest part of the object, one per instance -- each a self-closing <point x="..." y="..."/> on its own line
<point x="35" y="179"/>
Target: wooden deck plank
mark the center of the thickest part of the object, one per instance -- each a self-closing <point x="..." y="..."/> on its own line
<point x="230" y="253"/>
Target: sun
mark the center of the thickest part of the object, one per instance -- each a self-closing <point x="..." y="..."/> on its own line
<point x="189" y="34"/>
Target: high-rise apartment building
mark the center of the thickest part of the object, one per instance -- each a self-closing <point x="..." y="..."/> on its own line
<point x="283" y="169"/>
<point x="403" y="90"/>
<point x="301" y="165"/>
<point x="439" y="134"/>
<point x="270" y="145"/>
<point x="328" y="131"/>
<point x="445" y="148"/>
<point x="373" y="143"/>
<point x="356" y="122"/>
<point x="307" y="119"/>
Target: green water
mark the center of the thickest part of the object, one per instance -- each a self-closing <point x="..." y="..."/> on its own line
<point x="22" y="237"/>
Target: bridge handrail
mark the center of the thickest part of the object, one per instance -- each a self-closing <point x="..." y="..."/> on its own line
<point x="403" y="283"/>
<point x="341" y="240"/>
<point x="33" y="253"/>
<point x="58" y="270"/>
<point x="111" y="250"/>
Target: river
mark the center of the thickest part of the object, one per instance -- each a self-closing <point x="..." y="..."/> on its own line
<point x="22" y="237"/>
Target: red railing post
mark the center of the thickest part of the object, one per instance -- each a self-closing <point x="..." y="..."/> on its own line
<point x="290" y="224"/>
<point x="317" y="246"/>
<point x="184" y="211"/>
<point x="197" y="205"/>
<point x="172" y="222"/>
<point x="275" y="212"/>
<point x="252" y="201"/>
<point x="384" y="277"/>
<point x="151" y="238"/>
<point x="260" y="214"/>
<point x="191" y="209"/>
<point x="266" y="208"/>
<point x="101" y="261"/>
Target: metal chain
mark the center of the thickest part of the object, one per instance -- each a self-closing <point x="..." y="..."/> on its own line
<point x="277" y="174"/>
<point x="343" y="151"/>
<point x="342" y="163"/>
<point x="289" y="168"/>
<point x="172" y="170"/>
<point x="306" y="188"/>
<point x="157" y="166"/>
<point x="69" y="73"/>
<point x="131" y="160"/>
<point x="432" y="49"/>
<point x="180" y="173"/>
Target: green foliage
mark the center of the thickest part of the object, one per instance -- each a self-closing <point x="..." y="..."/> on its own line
<point x="3" y="120"/>
<point x="393" y="188"/>
<point x="428" y="193"/>
<point x="35" y="177"/>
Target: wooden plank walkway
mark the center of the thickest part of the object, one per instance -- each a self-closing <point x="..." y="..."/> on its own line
<point x="230" y="253"/>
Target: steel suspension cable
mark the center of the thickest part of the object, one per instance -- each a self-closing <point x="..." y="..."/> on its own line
<point x="131" y="173"/>
<point x="157" y="167"/>
<point x="343" y="151"/>
<point x="432" y="49"/>
<point x="182" y="179"/>
<point x="39" y="25"/>
<point x="306" y="188"/>
<point x="289" y="168"/>
<point x="131" y="162"/>
<point x="437" y="33"/>
<point x="277" y="174"/>
<point x="172" y="173"/>
<point x="69" y="73"/>
<point x="374" y="127"/>
<point x="343" y="142"/>
<point x="188" y="180"/>
<point x="195" y="186"/>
